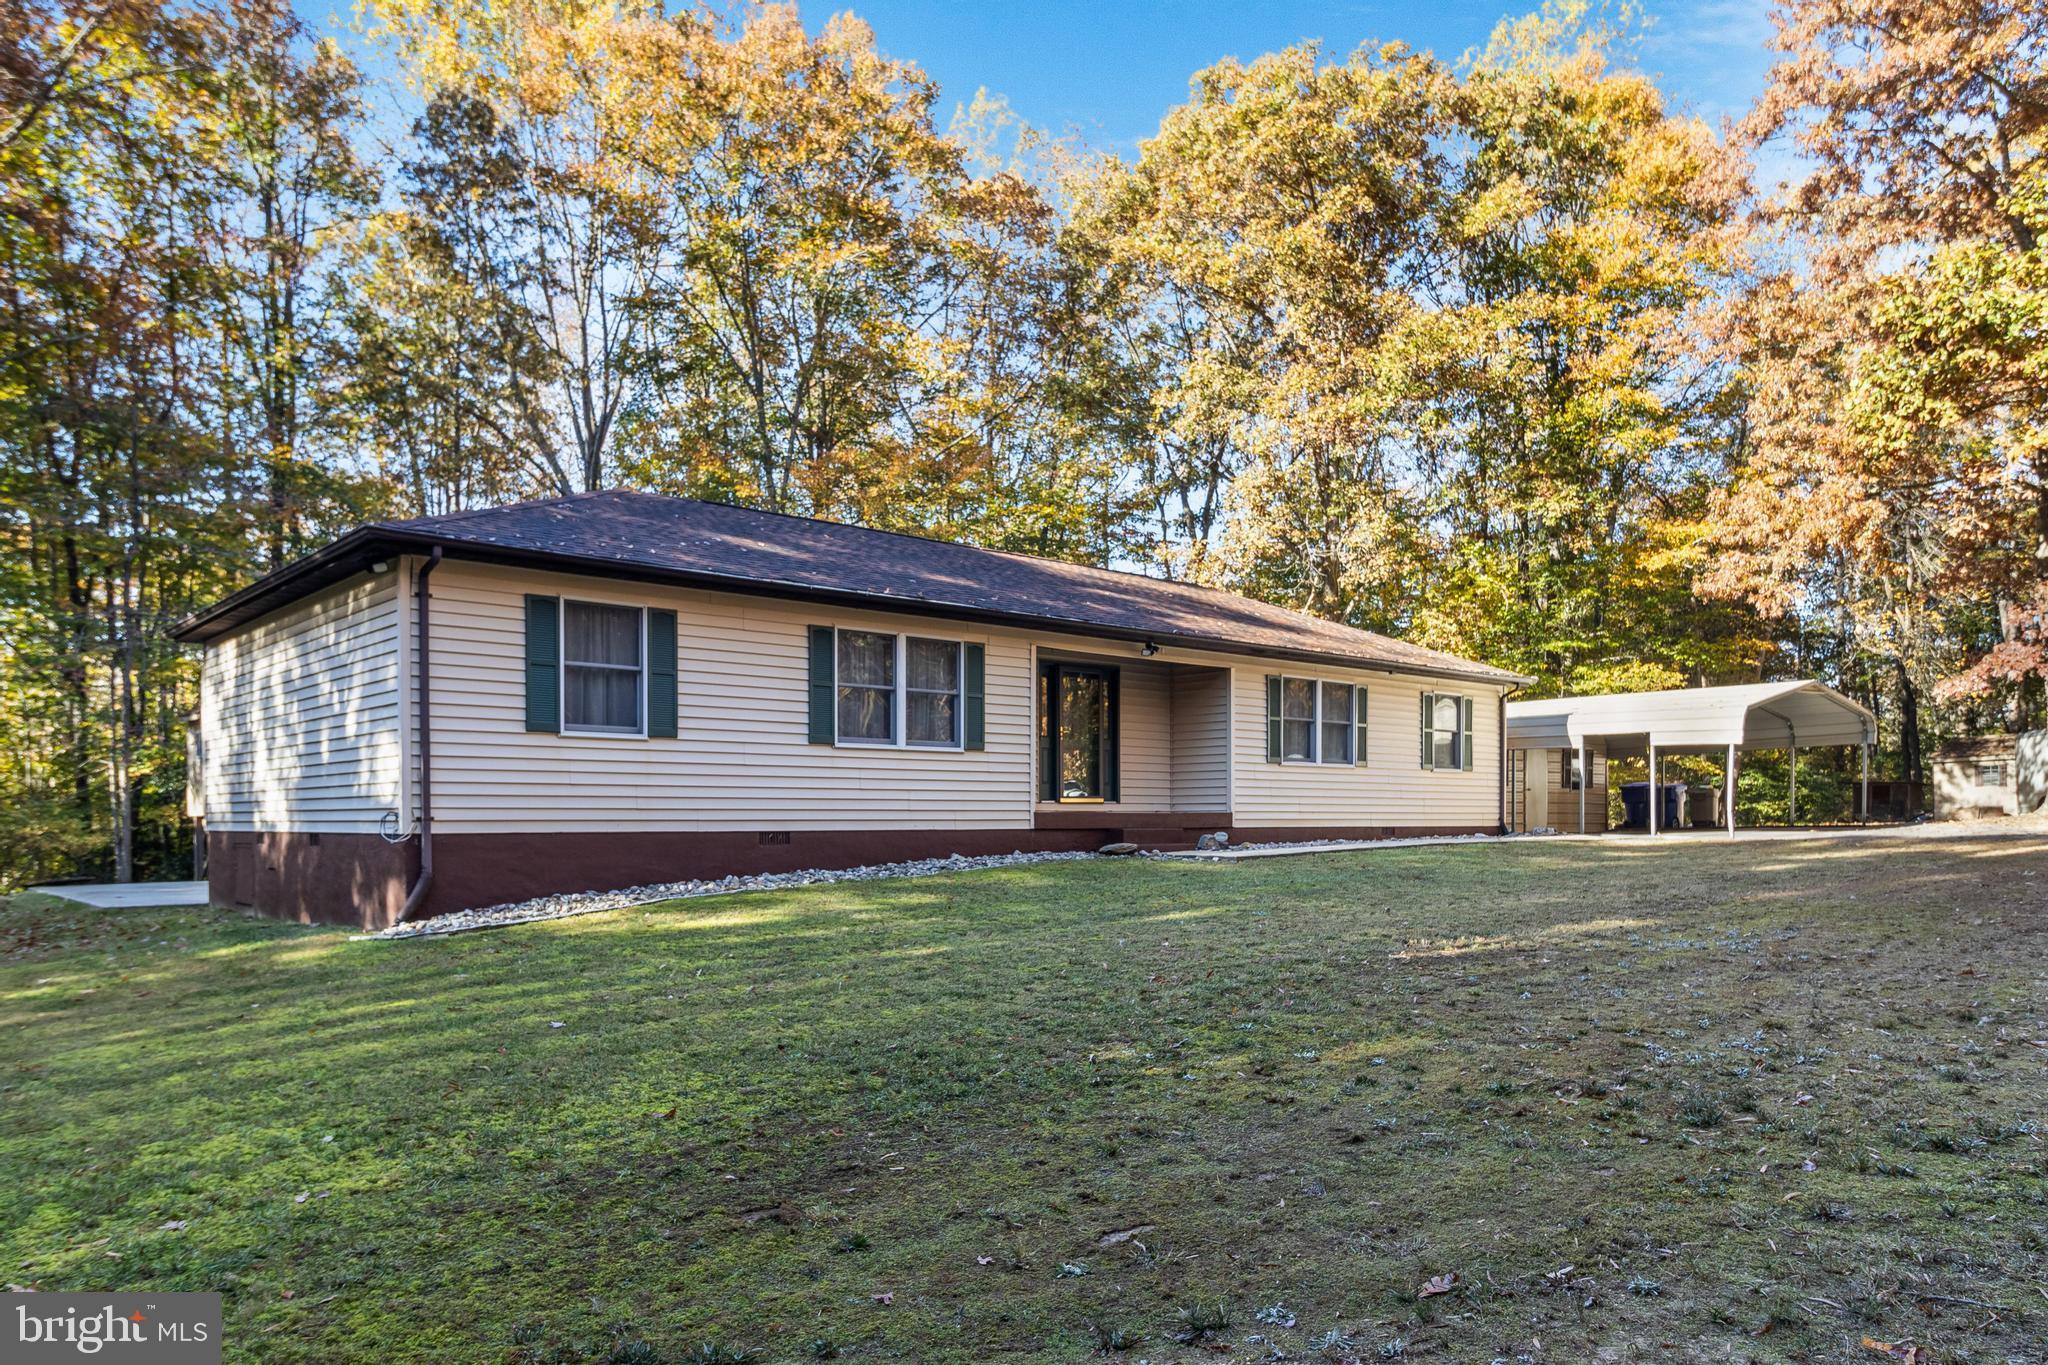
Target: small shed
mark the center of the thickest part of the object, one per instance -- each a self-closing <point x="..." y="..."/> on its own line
<point x="1991" y="775"/>
<point x="1578" y="735"/>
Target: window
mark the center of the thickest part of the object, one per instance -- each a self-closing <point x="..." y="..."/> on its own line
<point x="1336" y="725"/>
<point x="898" y="689"/>
<point x="932" y="693"/>
<point x="1297" y="720"/>
<point x="1573" y="779"/>
<point x="1446" y="737"/>
<point x="1991" y="774"/>
<point x="867" y="687"/>
<point x="602" y="682"/>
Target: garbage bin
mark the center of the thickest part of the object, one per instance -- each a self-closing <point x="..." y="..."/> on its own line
<point x="1705" y="806"/>
<point x="1635" y="805"/>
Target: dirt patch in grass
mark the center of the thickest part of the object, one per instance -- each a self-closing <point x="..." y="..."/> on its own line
<point x="1547" y="1102"/>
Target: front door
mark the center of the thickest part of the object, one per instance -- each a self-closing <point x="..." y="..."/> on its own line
<point x="1078" y="732"/>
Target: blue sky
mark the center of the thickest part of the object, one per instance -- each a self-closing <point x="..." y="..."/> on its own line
<point x="1108" y="69"/>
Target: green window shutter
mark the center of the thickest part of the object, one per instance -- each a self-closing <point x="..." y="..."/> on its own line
<point x="1272" y="718"/>
<point x="974" y="678"/>
<point x="1112" y="761"/>
<point x="543" y="663"/>
<point x="1358" y="726"/>
<point x="824" y="687"/>
<point x="661" y="674"/>
<point x="1428" y="729"/>
<point x="1468" y="706"/>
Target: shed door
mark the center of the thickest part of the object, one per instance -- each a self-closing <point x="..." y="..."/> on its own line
<point x="1536" y="788"/>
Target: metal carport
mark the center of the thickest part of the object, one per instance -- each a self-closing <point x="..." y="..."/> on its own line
<point x="1713" y="720"/>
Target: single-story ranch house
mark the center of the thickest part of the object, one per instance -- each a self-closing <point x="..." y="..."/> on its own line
<point x="616" y="688"/>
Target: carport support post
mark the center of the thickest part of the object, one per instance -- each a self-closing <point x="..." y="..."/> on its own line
<point x="1656" y="797"/>
<point x="1728" y="794"/>
<point x="1585" y="781"/>
<point x="1792" y="790"/>
<point x="1864" y="795"/>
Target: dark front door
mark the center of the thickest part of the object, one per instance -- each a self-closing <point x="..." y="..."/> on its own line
<point x="1077" y="719"/>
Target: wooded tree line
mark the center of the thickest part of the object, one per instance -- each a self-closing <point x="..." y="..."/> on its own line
<point x="1504" y="354"/>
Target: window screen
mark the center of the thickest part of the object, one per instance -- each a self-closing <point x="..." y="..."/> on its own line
<point x="601" y="682"/>
<point x="1298" y="720"/>
<point x="932" y="692"/>
<point x="1445" y="724"/>
<point x="867" y="687"/>
<point x="1336" y="722"/>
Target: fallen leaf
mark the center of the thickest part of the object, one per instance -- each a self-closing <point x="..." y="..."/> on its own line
<point x="1438" y="1284"/>
<point x="1110" y="1239"/>
<point x="175" y="1225"/>
<point x="284" y="1293"/>
<point x="302" y="1196"/>
<point x="884" y="1299"/>
<point x="1903" y="1350"/>
<point x="984" y="1260"/>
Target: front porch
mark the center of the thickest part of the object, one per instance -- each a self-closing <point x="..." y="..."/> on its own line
<point x="1131" y="750"/>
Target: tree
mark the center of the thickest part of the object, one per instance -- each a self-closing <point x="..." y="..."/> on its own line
<point x="1895" y="478"/>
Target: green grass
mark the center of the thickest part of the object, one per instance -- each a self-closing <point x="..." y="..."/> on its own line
<point x="918" y="1119"/>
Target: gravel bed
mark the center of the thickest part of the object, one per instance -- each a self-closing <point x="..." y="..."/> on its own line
<point x="592" y="902"/>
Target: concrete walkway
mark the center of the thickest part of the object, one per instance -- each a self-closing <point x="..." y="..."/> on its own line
<point x="1953" y="829"/>
<point x="128" y="895"/>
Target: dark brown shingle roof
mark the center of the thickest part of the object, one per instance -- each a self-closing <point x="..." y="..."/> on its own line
<point x="641" y="535"/>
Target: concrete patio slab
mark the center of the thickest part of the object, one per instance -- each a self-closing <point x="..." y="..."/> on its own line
<point x="128" y="895"/>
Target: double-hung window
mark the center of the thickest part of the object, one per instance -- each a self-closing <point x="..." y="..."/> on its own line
<point x="1319" y="721"/>
<point x="898" y="689"/>
<point x="1337" y="728"/>
<point x="1574" y="776"/>
<point x="932" y="692"/>
<point x="1446" y="731"/>
<point x="1297" y="720"/>
<point x="604" y="657"/>
<point x="867" y="687"/>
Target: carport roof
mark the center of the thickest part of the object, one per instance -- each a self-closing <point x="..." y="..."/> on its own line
<point x="1749" y="716"/>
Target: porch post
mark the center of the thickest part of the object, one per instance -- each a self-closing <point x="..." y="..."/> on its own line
<point x="1655" y="795"/>
<point x="1728" y="794"/>
<point x="1585" y="781"/>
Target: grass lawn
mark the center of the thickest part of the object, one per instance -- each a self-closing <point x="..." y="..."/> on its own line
<point x="1687" y="1102"/>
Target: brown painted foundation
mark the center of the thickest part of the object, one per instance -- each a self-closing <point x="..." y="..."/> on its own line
<point x="353" y="879"/>
<point x="360" y="880"/>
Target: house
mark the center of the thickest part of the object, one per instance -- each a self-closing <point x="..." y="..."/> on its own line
<point x="1559" y="749"/>
<point x="1991" y="775"/>
<point x="614" y="689"/>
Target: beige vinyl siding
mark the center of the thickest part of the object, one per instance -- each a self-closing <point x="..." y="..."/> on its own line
<point x="1392" y="789"/>
<point x="299" y="716"/>
<point x="1193" y="730"/>
<point x="741" y="759"/>
<point x="1201" y="739"/>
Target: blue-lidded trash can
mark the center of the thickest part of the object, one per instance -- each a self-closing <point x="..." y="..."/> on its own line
<point x="1635" y="805"/>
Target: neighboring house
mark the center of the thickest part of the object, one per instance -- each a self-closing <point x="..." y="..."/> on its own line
<point x="1991" y="775"/>
<point x="625" y="689"/>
